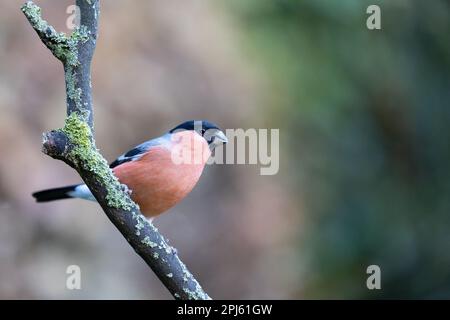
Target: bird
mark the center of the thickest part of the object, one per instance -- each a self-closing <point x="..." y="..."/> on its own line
<point x="159" y="172"/>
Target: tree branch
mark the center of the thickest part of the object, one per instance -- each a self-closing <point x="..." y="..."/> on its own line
<point x="75" y="145"/>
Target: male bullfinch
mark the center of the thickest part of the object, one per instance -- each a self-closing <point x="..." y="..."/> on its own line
<point x="159" y="172"/>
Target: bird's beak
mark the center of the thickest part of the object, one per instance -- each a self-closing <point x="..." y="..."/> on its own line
<point x="220" y="137"/>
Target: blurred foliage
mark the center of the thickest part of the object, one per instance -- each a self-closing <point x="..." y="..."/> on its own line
<point x="367" y="118"/>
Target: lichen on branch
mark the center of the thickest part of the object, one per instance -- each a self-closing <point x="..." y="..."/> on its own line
<point x="62" y="46"/>
<point x="84" y="155"/>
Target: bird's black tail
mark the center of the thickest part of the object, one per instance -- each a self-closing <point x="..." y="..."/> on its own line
<point x="54" y="194"/>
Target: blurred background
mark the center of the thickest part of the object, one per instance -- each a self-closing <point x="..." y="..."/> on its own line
<point x="364" y="148"/>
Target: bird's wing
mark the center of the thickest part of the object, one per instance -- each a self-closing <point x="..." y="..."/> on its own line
<point x="140" y="150"/>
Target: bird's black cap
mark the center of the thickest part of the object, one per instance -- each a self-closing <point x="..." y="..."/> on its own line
<point x="196" y="125"/>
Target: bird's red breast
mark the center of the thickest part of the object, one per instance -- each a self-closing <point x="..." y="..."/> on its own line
<point x="165" y="174"/>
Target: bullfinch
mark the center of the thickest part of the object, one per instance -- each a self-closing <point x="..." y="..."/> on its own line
<point x="159" y="172"/>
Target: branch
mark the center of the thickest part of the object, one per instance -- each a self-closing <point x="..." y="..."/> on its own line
<point x="75" y="145"/>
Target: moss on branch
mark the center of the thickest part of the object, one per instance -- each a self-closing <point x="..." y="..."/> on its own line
<point x="84" y="155"/>
<point x="62" y="46"/>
